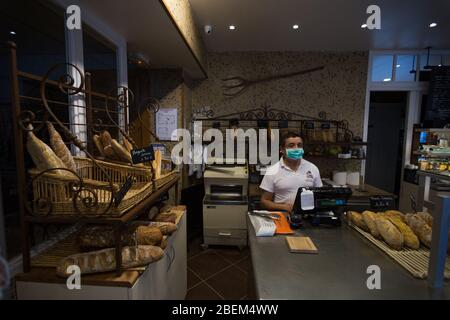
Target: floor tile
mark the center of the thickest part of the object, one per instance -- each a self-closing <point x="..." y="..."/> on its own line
<point x="207" y="263"/>
<point x="245" y="264"/>
<point x="202" y="292"/>
<point x="192" y="279"/>
<point x="194" y="247"/>
<point x="232" y="254"/>
<point x="230" y="283"/>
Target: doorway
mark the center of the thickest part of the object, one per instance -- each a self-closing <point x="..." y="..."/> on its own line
<point x="386" y="132"/>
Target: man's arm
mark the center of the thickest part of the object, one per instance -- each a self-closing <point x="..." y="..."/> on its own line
<point x="268" y="203"/>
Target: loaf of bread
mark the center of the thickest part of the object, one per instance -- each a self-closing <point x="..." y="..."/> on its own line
<point x="428" y="218"/>
<point x="369" y="218"/>
<point x="120" y="151"/>
<point x="105" y="260"/>
<point x="420" y="228"/>
<point x="410" y="239"/>
<point x="166" y="228"/>
<point x="166" y="217"/>
<point x="163" y="244"/>
<point x="357" y="219"/>
<point x="395" y="213"/>
<point x="60" y="148"/>
<point x="99" y="145"/>
<point x="390" y="233"/>
<point x="43" y="156"/>
<point x="99" y="236"/>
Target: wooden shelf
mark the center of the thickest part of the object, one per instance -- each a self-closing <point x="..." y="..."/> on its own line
<point x="128" y="216"/>
<point x="437" y="130"/>
<point x="341" y="143"/>
<point x="333" y="157"/>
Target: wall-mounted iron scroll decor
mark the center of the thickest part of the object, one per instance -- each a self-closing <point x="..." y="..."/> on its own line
<point x="234" y="86"/>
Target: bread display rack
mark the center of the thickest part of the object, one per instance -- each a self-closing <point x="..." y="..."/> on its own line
<point x="93" y="190"/>
<point x="324" y="138"/>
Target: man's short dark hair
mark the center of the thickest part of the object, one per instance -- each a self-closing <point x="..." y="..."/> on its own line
<point x="290" y="134"/>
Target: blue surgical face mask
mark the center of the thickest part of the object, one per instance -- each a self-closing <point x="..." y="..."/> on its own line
<point x="295" y="153"/>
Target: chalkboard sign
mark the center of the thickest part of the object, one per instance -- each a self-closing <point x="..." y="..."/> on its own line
<point x="437" y="113"/>
<point x="142" y="155"/>
<point x="309" y="125"/>
<point x="123" y="191"/>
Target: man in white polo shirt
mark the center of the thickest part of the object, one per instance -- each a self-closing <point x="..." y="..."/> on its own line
<point x="282" y="180"/>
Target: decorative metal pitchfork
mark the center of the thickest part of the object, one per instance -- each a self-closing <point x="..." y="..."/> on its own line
<point x="234" y="86"/>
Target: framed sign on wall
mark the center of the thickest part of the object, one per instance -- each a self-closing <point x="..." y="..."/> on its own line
<point x="167" y="124"/>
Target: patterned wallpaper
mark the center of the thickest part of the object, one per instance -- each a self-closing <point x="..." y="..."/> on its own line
<point x="182" y="14"/>
<point x="339" y="89"/>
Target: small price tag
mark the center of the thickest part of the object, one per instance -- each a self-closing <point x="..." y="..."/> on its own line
<point x="142" y="155"/>
<point x="325" y="125"/>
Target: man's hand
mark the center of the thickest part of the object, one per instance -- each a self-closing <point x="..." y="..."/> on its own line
<point x="268" y="203"/>
<point x="288" y="207"/>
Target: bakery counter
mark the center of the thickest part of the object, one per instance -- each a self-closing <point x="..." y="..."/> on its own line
<point x="337" y="271"/>
<point x="163" y="279"/>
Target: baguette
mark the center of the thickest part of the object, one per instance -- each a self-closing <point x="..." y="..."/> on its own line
<point x="420" y="228"/>
<point x="104" y="236"/>
<point x="43" y="156"/>
<point x="369" y="218"/>
<point x="106" y="138"/>
<point x="120" y="151"/>
<point x="105" y="260"/>
<point x="390" y="233"/>
<point x="410" y="239"/>
<point x="127" y="145"/>
<point x="109" y="152"/>
<point x="98" y="143"/>
<point x="60" y="148"/>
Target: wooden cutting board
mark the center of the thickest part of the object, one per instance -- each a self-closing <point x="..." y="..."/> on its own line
<point x="301" y="245"/>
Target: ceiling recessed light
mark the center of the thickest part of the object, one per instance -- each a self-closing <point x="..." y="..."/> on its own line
<point x="433" y="24"/>
<point x="398" y="66"/>
<point x="295" y="26"/>
<point x="364" y="26"/>
<point x="387" y="79"/>
<point x="232" y="27"/>
<point x="12" y="32"/>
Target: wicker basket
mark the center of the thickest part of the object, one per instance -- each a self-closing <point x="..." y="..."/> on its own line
<point x="54" y="194"/>
<point x="165" y="178"/>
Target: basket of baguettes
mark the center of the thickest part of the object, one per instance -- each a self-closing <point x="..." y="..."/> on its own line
<point x="143" y="243"/>
<point x="395" y="228"/>
<point x="53" y="189"/>
<point x="111" y="150"/>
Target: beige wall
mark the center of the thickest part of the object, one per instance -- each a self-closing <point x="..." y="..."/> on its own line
<point x="339" y="89"/>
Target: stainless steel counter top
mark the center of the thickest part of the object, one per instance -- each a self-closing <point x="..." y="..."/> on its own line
<point x="338" y="271"/>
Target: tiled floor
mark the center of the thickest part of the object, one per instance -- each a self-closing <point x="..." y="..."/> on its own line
<point x="217" y="273"/>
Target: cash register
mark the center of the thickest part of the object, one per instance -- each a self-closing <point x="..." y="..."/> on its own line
<point x="319" y="206"/>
